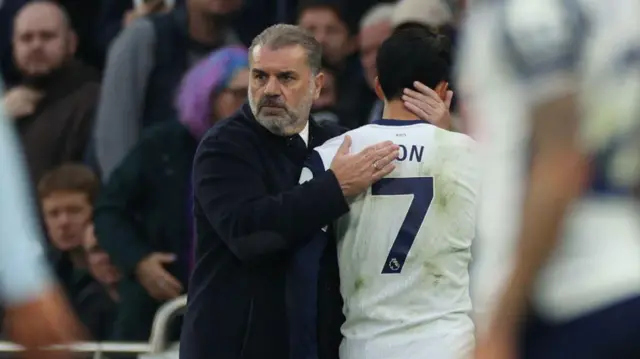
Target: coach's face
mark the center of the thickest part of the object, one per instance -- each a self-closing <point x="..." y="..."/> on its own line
<point x="282" y="88"/>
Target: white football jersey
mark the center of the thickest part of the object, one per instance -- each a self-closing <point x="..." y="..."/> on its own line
<point x="404" y="247"/>
<point x="515" y="54"/>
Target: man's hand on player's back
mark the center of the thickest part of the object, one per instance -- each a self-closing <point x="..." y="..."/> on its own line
<point x="356" y="172"/>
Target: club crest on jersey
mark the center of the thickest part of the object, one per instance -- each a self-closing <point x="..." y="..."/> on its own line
<point x="394" y="265"/>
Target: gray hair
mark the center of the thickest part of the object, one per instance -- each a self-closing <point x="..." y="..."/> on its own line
<point x="377" y="14"/>
<point x="284" y="35"/>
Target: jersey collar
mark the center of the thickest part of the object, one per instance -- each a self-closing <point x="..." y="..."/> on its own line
<point x="390" y="122"/>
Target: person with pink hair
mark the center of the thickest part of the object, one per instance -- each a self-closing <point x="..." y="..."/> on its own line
<point x="143" y="217"/>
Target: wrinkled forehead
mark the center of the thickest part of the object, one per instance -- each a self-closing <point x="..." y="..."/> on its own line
<point x="291" y="58"/>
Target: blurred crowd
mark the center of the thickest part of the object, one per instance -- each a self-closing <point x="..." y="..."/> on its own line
<point x="110" y="99"/>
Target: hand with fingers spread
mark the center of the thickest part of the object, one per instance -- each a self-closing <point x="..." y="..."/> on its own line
<point x="427" y="105"/>
<point x="158" y="282"/>
<point x="356" y="172"/>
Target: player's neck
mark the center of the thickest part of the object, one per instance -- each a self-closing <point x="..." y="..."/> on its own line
<point x="395" y="110"/>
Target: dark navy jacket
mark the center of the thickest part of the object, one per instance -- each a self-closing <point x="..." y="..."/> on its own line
<point x="255" y="225"/>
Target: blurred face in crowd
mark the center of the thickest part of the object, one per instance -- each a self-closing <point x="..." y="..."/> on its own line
<point x="42" y="39"/>
<point x="218" y="8"/>
<point x="98" y="260"/>
<point x="371" y="38"/>
<point x="328" y="96"/>
<point x="282" y="88"/>
<point x="330" y="31"/>
<point x="230" y="99"/>
<point x="66" y="215"/>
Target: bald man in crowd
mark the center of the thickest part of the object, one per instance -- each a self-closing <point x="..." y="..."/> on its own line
<point x="53" y="105"/>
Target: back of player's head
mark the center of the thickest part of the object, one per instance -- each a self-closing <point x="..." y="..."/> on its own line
<point x="407" y="56"/>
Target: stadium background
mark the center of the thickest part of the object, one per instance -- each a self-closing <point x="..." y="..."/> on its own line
<point x="113" y="37"/>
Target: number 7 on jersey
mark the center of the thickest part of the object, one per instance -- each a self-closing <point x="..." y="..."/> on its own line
<point x="422" y="189"/>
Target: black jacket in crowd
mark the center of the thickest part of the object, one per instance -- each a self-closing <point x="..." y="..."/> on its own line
<point x="252" y="217"/>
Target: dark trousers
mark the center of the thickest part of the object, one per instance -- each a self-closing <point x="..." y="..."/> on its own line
<point x="608" y="333"/>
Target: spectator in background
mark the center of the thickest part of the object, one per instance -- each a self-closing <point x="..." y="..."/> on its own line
<point x="325" y="19"/>
<point x="144" y="217"/>
<point x="66" y="195"/>
<point x="144" y="67"/>
<point x="323" y="108"/>
<point x="114" y="15"/>
<point x="82" y="16"/>
<point x="53" y="106"/>
<point x="375" y="27"/>
<point x="103" y="293"/>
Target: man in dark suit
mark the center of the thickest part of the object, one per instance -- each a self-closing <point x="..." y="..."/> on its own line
<point x="264" y="274"/>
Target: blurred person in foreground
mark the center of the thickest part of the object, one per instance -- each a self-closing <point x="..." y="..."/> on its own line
<point x="37" y="312"/>
<point x="404" y="248"/>
<point x="265" y="284"/>
<point x="144" y="217"/>
<point x="144" y="67"/>
<point x="115" y="15"/>
<point x="67" y="195"/>
<point x="552" y="89"/>
<point x="52" y="107"/>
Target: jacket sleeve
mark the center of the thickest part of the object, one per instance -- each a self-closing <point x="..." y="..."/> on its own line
<point x="253" y="223"/>
<point x="118" y="122"/>
<point x="114" y="215"/>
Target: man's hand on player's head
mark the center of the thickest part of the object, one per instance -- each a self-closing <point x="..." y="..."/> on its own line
<point x="427" y="105"/>
<point x="356" y="172"/>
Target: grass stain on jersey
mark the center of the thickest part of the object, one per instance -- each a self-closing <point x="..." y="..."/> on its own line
<point x="433" y="270"/>
<point x="358" y="284"/>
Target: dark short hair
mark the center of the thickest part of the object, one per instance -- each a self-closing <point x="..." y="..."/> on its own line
<point x="334" y="6"/>
<point x="441" y="37"/>
<point x="70" y="177"/>
<point x="409" y="55"/>
<point x="283" y="35"/>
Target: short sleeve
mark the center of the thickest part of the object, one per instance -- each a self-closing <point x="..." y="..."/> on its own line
<point x="320" y="159"/>
<point x="543" y="41"/>
<point x="328" y="150"/>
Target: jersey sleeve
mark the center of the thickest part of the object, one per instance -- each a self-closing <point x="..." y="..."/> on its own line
<point x="322" y="156"/>
<point x="543" y="41"/>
